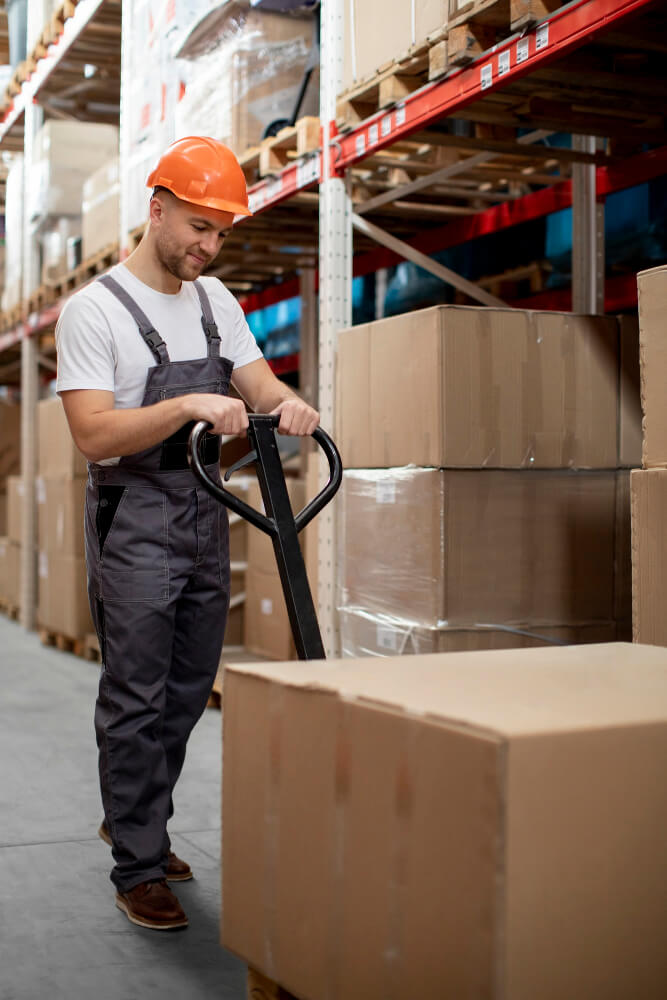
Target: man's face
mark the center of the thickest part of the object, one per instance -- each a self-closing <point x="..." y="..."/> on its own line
<point x="187" y="236"/>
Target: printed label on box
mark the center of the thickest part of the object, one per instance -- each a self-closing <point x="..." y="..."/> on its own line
<point x="385" y="491"/>
<point x="386" y="637"/>
<point x="266" y="606"/>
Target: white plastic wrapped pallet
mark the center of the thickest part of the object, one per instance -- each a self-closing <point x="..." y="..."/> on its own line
<point x="12" y="293"/>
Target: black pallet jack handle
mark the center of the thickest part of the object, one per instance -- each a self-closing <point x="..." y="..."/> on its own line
<point x="279" y="522"/>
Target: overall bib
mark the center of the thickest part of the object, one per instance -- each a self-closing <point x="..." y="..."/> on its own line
<point x="157" y="551"/>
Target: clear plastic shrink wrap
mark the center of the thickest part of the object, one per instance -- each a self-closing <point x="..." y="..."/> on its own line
<point x="242" y="69"/>
<point x="435" y="559"/>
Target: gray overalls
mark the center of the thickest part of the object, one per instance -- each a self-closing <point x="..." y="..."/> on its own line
<point x="157" y="550"/>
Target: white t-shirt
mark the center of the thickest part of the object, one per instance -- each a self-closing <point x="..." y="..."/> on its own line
<point x="99" y="345"/>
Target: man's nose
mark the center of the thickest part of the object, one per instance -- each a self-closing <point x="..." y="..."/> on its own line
<point x="210" y="243"/>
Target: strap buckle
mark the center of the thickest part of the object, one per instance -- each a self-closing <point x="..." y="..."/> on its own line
<point x="153" y="339"/>
<point x="210" y="329"/>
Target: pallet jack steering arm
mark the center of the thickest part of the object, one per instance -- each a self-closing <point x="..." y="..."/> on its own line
<point x="279" y="522"/>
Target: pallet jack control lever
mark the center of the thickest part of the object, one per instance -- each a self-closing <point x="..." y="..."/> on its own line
<point x="279" y="522"/>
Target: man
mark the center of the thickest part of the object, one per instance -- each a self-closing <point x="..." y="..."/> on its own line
<point x="143" y="352"/>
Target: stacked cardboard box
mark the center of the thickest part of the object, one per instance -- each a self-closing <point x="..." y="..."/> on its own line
<point x="13" y="290"/>
<point x="100" y="220"/>
<point x="267" y="630"/>
<point x="484" y="502"/>
<point x="54" y="200"/>
<point x="61" y="485"/>
<point x="649" y="484"/>
<point x="487" y="824"/>
<point x="242" y="69"/>
<point x="10" y="504"/>
<point x="373" y="40"/>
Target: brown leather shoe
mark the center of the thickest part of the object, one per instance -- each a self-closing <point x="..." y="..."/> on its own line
<point x="153" y="905"/>
<point x="177" y="869"/>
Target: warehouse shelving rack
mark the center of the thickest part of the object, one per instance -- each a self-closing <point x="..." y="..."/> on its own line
<point x="591" y="67"/>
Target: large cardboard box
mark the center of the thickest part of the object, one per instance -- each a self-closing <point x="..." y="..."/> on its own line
<point x="266" y="628"/>
<point x="455" y="825"/>
<point x="630" y="407"/>
<point x="372" y="40"/>
<point x="100" y="223"/>
<point x="60" y="515"/>
<point x="261" y="556"/>
<point x="58" y="456"/>
<point x="459" y="386"/>
<point x="15" y="505"/>
<point x="363" y="633"/>
<point x="63" y="597"/>
<point x="242" y="70"/>
<point x="649" y="555"/>
<point x="479" y="547"/>
<point x="65" y="153"/>
<point x="10" y="572"/>
<point x="10" y="440"/>
<point x="3" y="514"/>
<point x="652" y="295"/>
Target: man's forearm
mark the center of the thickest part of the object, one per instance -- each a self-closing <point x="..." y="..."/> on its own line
<point x="273" y="396"/>
<point x="124" y="432"/>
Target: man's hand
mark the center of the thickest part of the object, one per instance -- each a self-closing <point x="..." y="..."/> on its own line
<point x="227" y="415"/>
<point x="296" y="417"/>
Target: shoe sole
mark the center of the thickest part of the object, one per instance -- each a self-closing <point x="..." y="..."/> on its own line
<point x="103" y="835"/>
<point x="151" y="926"/>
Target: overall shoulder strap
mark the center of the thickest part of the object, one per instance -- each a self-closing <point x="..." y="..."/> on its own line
<point x="208" y="322"/>
<point x="150" y="335"/>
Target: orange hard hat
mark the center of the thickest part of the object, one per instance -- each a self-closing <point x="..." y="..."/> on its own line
<point x="202" y="171"/>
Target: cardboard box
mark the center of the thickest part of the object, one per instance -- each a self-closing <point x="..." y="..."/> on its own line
<point x="455" y="825"/>
<point x="242" y="70"/>
<point x="623" y="561"/>
<point x="15" y="505"/>
<point x="649" y="555"/>
<point x="10" y="440"/>
<point x="261" y="556"/>
<point x="630" y="407"/>
<point x="63" y="596"/>
<point x="58" y="176"/>
<point x="58" y="456"/>
<point x="363" y="633"/>
<point x="3" y="514"/>
<point x="100" y="223"/>
<point x="469" y="387"/>
<point x="60" y="515"/>
<point x="10" y="572"/>
<point x="484" y="546"/>
<point x="234" y="628"/>
<point x="372" y="40"/>
<point x="652" y="296"/>
<point x="266" y="627"/>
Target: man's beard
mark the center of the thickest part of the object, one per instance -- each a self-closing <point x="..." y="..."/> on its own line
<point x="177" y="262"/>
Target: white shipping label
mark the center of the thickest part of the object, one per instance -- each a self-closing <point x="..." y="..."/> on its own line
<point x="385" y="491"/>
<point x="386" y="637"/>
<point x="542" y="37"/>
<point x="373" y="135"/>
<point x="522" y="50"/>
<point x="266" y="606"/>
<point x="486" y="76"/>
<point x="385" y="126"/>
<point x="504" y="62"/>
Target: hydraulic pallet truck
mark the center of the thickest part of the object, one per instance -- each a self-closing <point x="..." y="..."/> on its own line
<point x="279" y="522"/>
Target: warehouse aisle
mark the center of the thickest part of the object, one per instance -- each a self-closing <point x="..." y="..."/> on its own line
<point x="61" y="936"/>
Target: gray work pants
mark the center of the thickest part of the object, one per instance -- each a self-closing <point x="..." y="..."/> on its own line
<point x="157" y="549"/>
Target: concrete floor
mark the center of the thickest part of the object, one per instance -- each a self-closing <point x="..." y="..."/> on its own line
<point x="61" y="935"/>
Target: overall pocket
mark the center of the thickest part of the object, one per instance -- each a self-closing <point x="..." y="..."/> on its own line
<point x="133" y="563"/>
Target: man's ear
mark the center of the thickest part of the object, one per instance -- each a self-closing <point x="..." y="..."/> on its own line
<point x="156" y="209"/>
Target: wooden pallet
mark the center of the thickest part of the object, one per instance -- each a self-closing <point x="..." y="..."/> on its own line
<point x="12" y="611"/>
<point x="391" y="83"/>
<point x="279" y="150"/>
<point x="259" y="987"/>
<point x="91" y="648"/>
<point x="96" y="264"/>
<point x="11" y="317"/>
<point x="65" y="643"/>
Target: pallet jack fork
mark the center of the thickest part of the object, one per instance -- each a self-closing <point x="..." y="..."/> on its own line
<point x="279" y="521"/>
